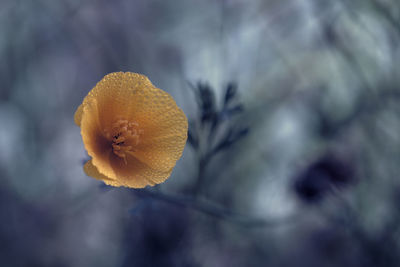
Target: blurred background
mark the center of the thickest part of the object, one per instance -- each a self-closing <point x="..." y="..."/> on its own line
<point x="293" y="151"/>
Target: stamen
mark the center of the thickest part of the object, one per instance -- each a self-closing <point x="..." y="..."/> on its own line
<point x="119" y="139"/>
<point x="124" y="136"/>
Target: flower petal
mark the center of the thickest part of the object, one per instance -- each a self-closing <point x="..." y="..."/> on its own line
<point x="158" y="115"/>
<point x="97" y="146"/>
<point x="136" y="174"/>
<point x="164" y="128"/>
<point x="92" y="171"/>
<point x="117" y="95"/>
<point x="161" y="154"/>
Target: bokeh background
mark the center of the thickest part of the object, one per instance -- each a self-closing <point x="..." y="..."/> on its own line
<point x="293" y="155"/>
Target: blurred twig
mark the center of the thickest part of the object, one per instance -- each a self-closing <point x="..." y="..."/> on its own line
<point x="214" y="129"/>
<point x="213" y="210"/>
<point x="386" y="14"/>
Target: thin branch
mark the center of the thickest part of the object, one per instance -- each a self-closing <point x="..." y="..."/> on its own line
<point x="386" y="14"/>
<point x="214" y="210"/>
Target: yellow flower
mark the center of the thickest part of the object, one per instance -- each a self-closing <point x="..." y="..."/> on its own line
<point x="133" y="131"/>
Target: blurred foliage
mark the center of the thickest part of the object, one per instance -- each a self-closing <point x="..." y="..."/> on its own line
<point x="215" y="129"/>
<point x="326" y="174"/>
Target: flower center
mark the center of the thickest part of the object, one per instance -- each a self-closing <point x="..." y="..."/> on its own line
<point x="124" y="136"/>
